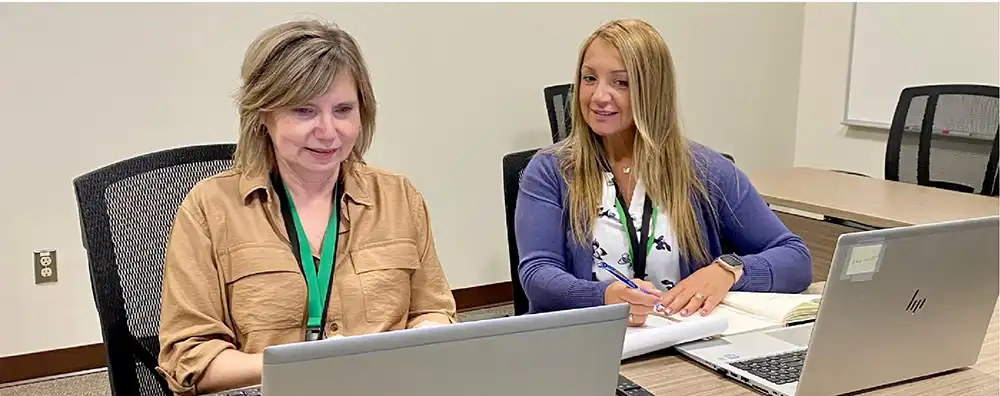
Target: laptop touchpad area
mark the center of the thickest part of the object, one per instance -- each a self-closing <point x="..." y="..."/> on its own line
<point x="798" y="335"/>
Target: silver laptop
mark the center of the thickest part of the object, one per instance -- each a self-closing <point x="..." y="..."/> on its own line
<point x="572" y="352"/>
<point x="899" y="303"/>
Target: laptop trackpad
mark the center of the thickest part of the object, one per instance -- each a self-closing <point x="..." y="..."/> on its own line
<point x="798" y="335"/>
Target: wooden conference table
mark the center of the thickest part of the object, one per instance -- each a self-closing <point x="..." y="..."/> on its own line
<point x="835" y="203"/>
<point x="870" y="201"/>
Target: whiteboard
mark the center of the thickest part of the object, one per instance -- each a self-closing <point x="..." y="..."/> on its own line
<point x="895" y="45"/>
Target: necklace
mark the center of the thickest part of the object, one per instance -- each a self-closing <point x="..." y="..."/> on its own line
<point x="627" y="170"/>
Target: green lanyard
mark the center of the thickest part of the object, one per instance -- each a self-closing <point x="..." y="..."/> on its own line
<point x="652" y="226"/>
<point x="318" y="283"/>
<point x="648" y="222"/>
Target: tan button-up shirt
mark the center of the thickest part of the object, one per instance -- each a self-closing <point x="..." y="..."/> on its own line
<point x="231" y="279"/>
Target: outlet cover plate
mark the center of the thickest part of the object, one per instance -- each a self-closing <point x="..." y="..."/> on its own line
<point x="46" y="266"/>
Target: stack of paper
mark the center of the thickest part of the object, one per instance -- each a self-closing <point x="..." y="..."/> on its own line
<point x="661" y="333"/>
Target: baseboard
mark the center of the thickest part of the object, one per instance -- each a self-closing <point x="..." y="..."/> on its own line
<point x="483" y="296"/>
<point x="50" y="363"/>
<point x="88" y="357"/>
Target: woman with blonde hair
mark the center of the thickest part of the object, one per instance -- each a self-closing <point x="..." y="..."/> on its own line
<point x="626" y="198"/>
<point x="300" y="240"/>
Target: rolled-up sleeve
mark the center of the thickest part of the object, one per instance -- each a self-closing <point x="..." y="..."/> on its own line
<point x="192" y="330"/>
<point x="431" y="300"/>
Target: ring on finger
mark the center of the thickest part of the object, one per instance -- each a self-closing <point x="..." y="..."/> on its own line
<point x="694" y="304"/>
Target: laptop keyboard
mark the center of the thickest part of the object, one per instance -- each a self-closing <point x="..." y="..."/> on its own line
<point x="628" y="388"/>
<point x="779" y="369"/>
<point x="255" y="391"/>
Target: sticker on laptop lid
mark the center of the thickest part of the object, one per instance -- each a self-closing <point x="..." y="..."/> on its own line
<point x="863" y="261"/>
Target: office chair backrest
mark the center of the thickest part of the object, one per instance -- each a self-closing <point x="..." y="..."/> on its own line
<point x="558" y="100"/>
<point x="513" y="168"/>
<point x="944" y="136"/>
<point x="126" y="212"/>
<point x="992" y="187"/>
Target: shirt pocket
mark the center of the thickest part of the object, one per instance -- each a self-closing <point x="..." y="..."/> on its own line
<point x="384" y="270"/>
<point x="266" y="288"/>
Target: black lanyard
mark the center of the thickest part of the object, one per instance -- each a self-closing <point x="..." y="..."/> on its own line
<point x="635" y="251"/>
<point x="317" y="286"/>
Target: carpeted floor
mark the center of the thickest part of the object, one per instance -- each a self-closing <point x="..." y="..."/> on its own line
<point x="96" y="383"/>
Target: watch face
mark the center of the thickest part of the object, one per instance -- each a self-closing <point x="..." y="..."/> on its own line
<point x="731" y="261"/>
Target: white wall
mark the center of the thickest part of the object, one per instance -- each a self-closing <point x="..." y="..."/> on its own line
<point x="82" y="86"/>
<point x="820" y="140"/>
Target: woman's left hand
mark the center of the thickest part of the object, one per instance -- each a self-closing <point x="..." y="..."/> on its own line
<point x="703" y="290"/>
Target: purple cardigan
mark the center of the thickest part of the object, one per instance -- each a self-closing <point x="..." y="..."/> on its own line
<point x="556" y="271"/>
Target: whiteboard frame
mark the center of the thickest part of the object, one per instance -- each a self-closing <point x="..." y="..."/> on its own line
<point x="845" y="120"/>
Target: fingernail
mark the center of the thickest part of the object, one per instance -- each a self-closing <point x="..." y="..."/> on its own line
<point x="668" y="311"/>
<point x="704" y="312"/>
<point x="684" y="312"/>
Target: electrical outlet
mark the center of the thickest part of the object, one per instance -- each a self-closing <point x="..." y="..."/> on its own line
<point x="46" y="268"/>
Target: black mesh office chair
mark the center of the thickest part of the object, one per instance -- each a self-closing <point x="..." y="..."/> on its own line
<point x="558" y="99"/>
<point x="992" y="187"/>
<point x="513" y="168"/>
<point x="945" y="136"/>
<point x="126" y="211"/>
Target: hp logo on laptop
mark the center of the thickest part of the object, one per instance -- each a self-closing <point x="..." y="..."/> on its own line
<point x="915" y="303"/>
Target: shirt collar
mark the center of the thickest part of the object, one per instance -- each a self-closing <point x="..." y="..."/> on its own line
<point x="354" y="187"/>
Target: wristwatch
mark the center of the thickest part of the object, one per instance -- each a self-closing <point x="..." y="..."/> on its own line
<point x="732" y="264"/>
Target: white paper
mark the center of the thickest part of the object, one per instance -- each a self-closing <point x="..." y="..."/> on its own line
<point x="738" y="321"/>
<point x="660" y="333"/>
<point x="772" y="306"/>
<point x="863" y="260"/>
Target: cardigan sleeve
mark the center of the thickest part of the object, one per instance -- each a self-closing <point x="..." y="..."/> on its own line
<point x="540" y="228"/>
<point x="774" y="259"/>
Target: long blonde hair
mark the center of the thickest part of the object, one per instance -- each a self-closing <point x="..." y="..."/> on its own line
<point x="288" y="65"/>
<point x="662" y="158"/>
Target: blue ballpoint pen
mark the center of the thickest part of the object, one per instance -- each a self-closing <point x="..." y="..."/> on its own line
<point x="628" y="282"/>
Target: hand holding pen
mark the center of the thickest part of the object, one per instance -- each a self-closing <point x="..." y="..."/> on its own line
<point x="643" y="298"/>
